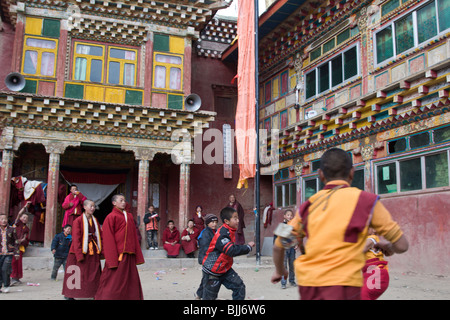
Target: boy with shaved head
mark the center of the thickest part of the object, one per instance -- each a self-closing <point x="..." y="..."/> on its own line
<point x="335" y="222"/>
<point x="120" y="277"/>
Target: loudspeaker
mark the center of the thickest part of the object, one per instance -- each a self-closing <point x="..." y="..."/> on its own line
<point x="15" y="81"/>
<point x="192" y="102"/>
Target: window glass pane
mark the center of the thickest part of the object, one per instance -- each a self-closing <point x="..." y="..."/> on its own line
<point x="336" y="71"/>
<point x="343" y="36"/>
<point x="41" y="43"/>
<point x="168" y="59"/>
<point x="175" y="78"/>
<point x="30" y="63"/>
<point x="311" y="84"/>
<point x="426" y="22"/>
<point x="419" y="140"/>
<point x="404" y="34"/>
<point x="160" y="77"/>
<point x="292" y="194"/>
<point x="441" y="134"/>
<point x="128" y="74"/>
<point x="410" y="175"/>
<point x="114" y="72"/>
<point x="397" y="145"/>
<point x="444" y="14"/>
<point x="47" y="63"/>
<point x="324" y="78"/>
<point x="328" y="46"/>
<point x="96" y="70"/>
<point x="436" y="168"/>
<point x="279" y="193"/>
<point x="358" y="179"/>
<point x="310" y="188"/>
<point x="385" y="46"/>
<point x="80" y="69"/>
<point x="90" y="50"/>
<point x="286" y="195"/>
<point x="386" y="178"/>
<point x="315" y="53"/>
<point x="122" y="54"/>
<point x="350" y="63"/>
<point x="389" y="6"/>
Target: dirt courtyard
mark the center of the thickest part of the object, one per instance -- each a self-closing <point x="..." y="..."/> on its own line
<point x="181" y="284"/>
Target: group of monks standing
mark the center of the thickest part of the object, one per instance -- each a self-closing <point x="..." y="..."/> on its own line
<point x="116" y="240"/>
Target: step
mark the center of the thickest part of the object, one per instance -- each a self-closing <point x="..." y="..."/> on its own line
<point x="36" y="258"/>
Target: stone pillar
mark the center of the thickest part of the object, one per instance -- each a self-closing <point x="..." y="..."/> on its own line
<point x="5" y="176"/>
<point x="52" y="196"/>
<point x="144" y="156"/>
<point x="6" y="144"/>
<point x="142" y="202"/>
<point x="185" y="172"/>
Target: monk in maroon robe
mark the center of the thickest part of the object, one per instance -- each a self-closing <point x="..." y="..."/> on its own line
<point x="73" y="204"/>
<point x="171" y="240"/>
<point x="189" y="239"/>
<point x="233" y="203"/>
<point x="22" y="232"/>
<point x="120" y="277"/>
<point x="83" y="269"/>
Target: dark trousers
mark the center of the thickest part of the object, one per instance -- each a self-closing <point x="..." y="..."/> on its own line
<point x="229" y="280"/>
<point x="5" y="270"/>
<point x="56" y="264"/>
<point x="289" y="259"/>
<point x="152" y="238"/>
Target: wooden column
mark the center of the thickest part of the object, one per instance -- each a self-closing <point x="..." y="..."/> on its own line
<point x="52" y="198"/>
<point x="5" y="176"/>
<point x="6" y="144"/>
<point x="142" y="201"/>
<point x="185" y="172"/>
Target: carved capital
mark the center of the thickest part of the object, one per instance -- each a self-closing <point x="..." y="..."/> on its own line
<point x="141" y="153"/>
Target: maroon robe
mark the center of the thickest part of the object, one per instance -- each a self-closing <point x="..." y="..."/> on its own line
<point x="199" y="223"/>
<point x="120" y="278"/>
<point x="84" y="265"/>
<point x="22" y="231"/>
<point x="75" y="211"/>
<point x="240" y="239"/>
<point x="190" y="246"/>
<point x="171" y="236"/>
<point x="38" y="228"/>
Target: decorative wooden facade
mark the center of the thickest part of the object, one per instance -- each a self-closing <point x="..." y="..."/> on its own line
<point x="372" y="78"/>
<point x="104" y="80"/>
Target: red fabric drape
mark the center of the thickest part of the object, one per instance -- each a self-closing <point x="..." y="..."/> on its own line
<point x="91" y="177"/>
<point x="245" y="110"/>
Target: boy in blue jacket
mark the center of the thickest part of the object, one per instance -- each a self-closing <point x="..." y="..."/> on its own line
<point x="60" y="248"/>
<point x="218" y="260"/>
<point x="204" y="239"/>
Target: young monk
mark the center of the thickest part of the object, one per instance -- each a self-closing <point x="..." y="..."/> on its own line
<point x="335" y="221"/>
<point x="83" y="269"/>
<point x="23" y="234"/>
<point x="120" y="278"/>
<point x="73" y="204"/>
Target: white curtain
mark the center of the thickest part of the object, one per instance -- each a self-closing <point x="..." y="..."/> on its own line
<point x="96" y="192"/>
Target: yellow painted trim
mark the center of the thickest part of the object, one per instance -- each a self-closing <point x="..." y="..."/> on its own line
<point x="176" y="44"/>
<point x="33" y="26"/>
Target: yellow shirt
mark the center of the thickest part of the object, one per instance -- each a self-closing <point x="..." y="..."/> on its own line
<point x="336" y="227"/>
